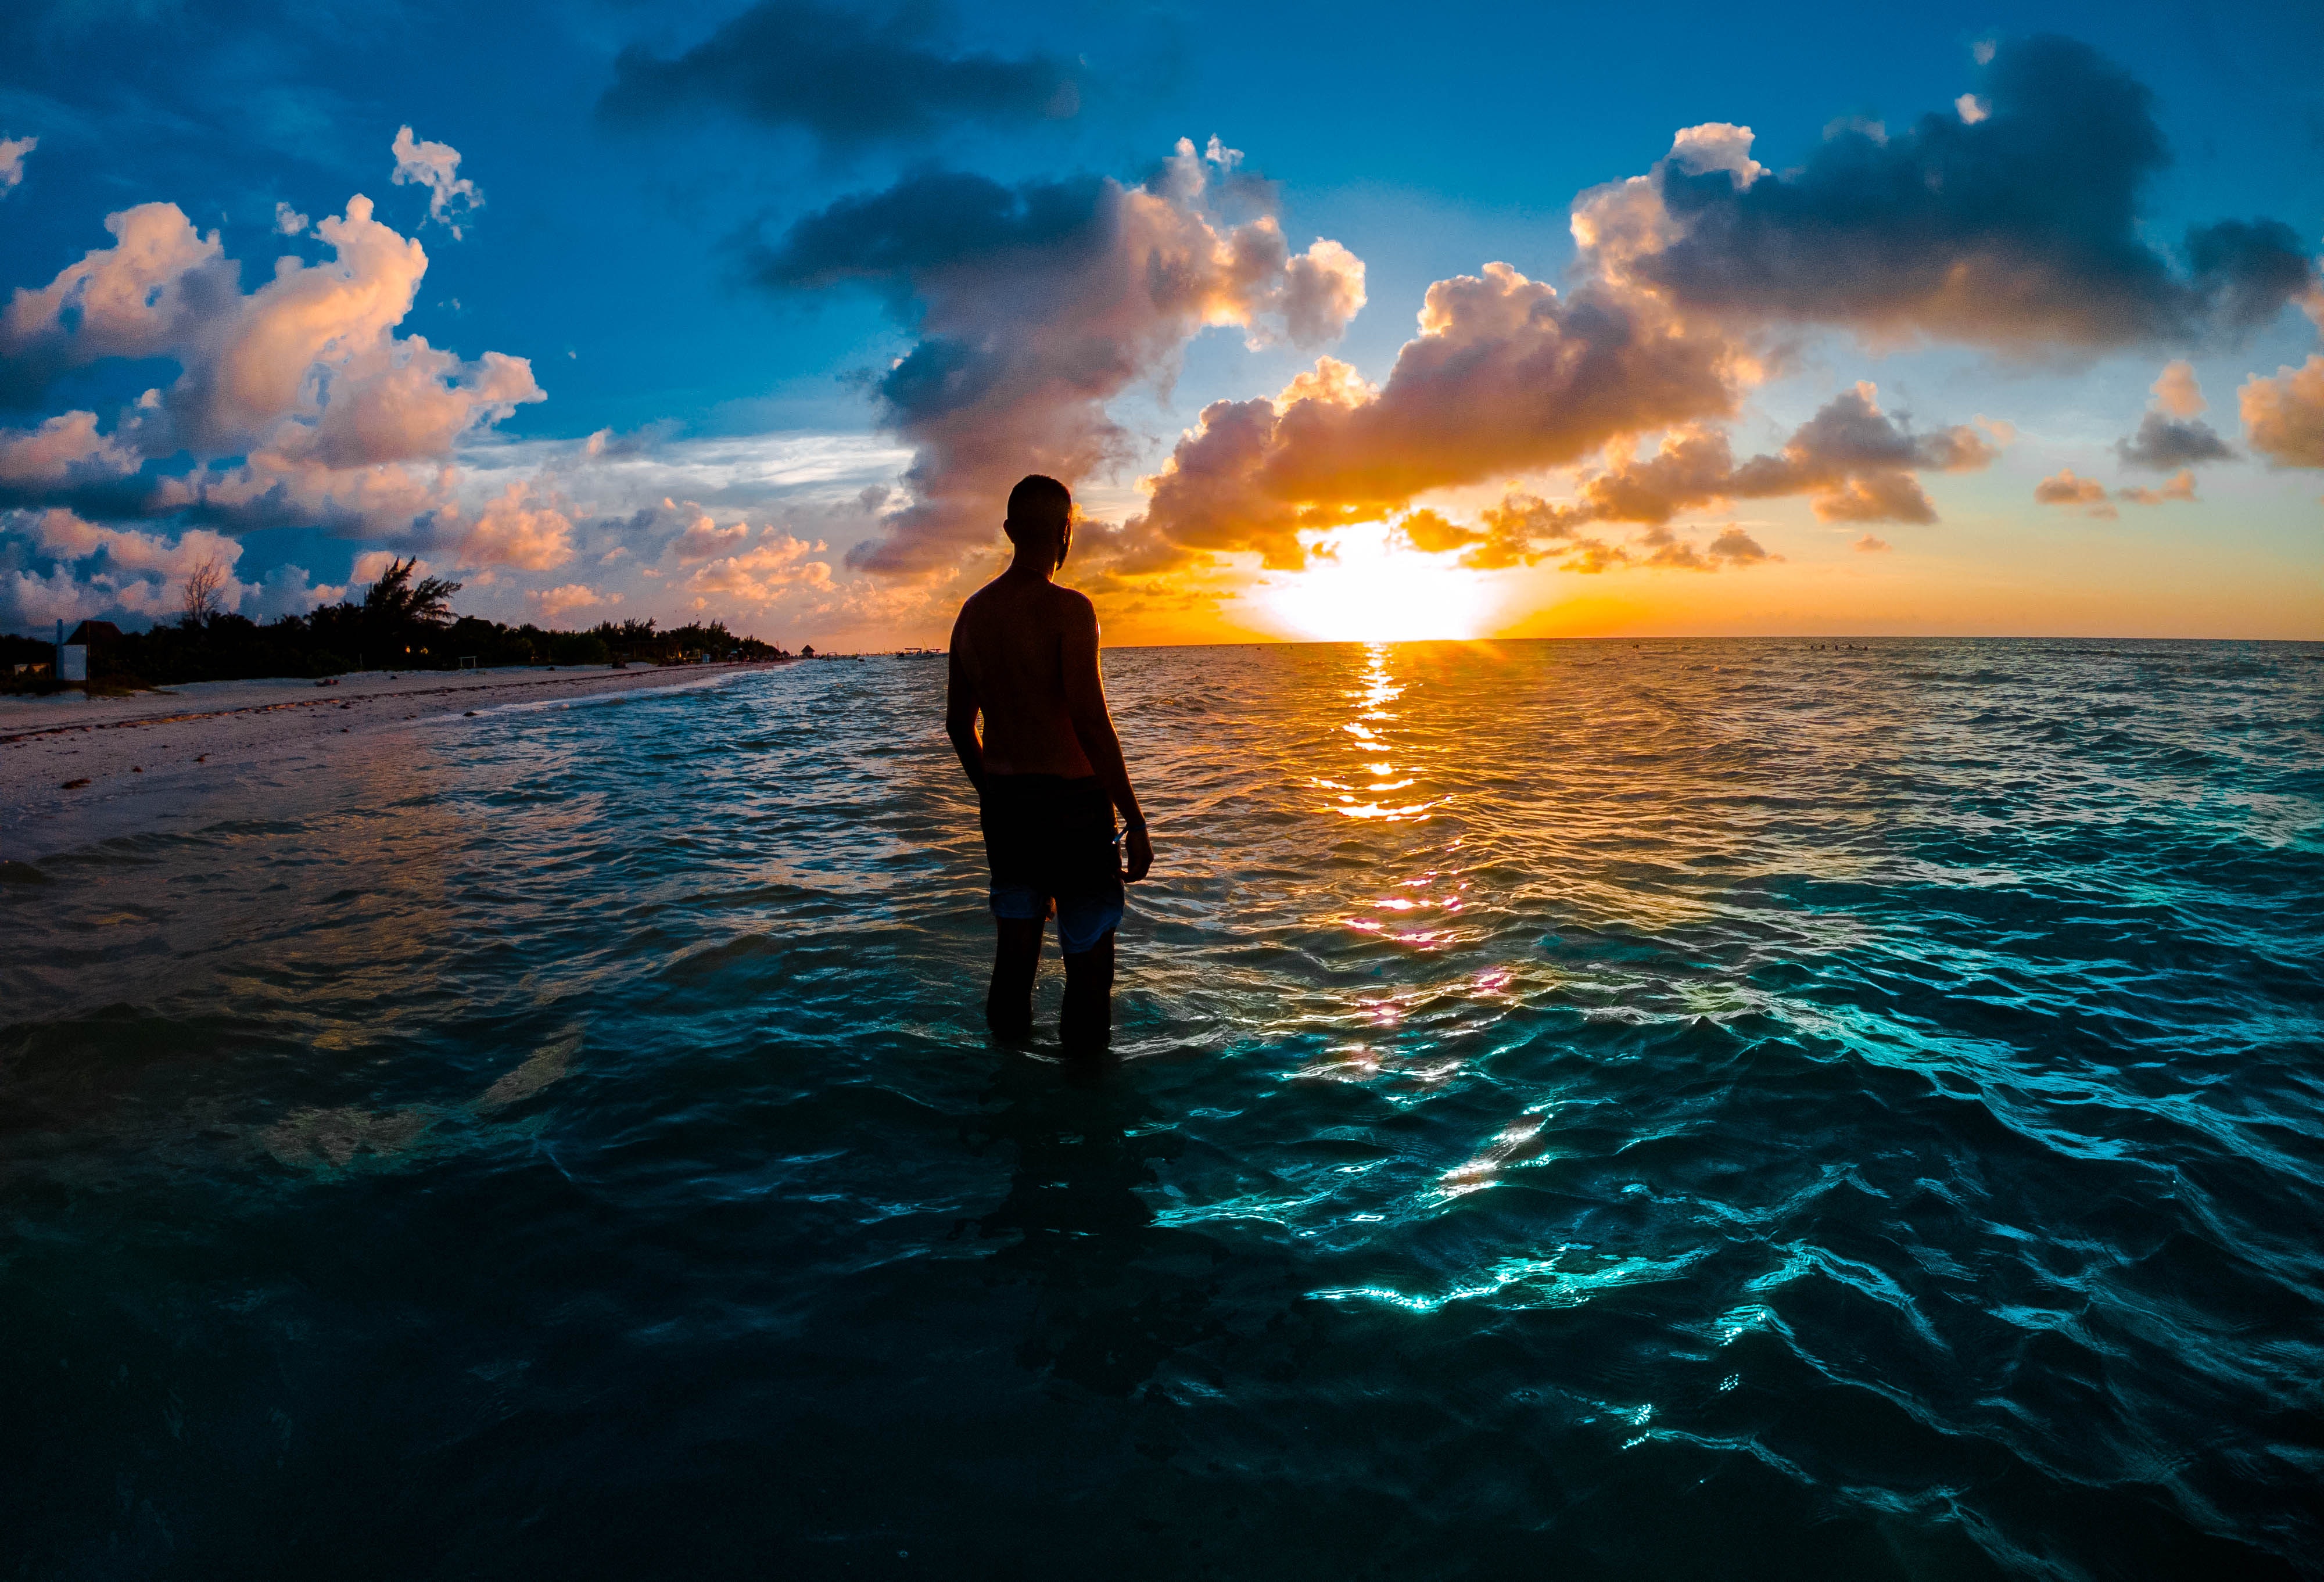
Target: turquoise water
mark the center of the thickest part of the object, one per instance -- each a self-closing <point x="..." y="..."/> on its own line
<point x="1689" y="1108"/>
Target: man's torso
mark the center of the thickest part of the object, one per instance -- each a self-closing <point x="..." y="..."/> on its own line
<point x="1010" y="642"/>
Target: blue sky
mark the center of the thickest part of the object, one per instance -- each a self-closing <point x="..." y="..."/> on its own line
<point x="637" y="234"/>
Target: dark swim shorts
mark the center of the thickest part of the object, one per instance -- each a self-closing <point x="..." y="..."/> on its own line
<point x="1051" y="839"/>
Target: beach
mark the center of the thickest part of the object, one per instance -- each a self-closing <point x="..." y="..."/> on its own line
<point x="143" y="752"/>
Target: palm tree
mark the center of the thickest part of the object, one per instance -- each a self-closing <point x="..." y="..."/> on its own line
<point x="396" y="601"/>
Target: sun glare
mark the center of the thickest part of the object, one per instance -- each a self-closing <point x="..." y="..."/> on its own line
<point x="1362" y="588"/>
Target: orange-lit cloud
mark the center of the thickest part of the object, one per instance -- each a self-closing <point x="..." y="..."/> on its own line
<point x="2283" y="417"/>
<point x="2063" y="488"/>
<point x="2179" y="486"/>
<point x="1036" y="306"/>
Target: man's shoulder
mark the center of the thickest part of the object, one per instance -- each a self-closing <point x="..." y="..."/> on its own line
<point x="1072" y="603"/>
<point x="978" y="605"/>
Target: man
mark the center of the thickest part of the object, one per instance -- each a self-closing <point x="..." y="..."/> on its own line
<point x="1048" y="771"/>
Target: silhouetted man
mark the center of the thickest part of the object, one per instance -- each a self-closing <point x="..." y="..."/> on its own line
<point x="1048" y="772"/>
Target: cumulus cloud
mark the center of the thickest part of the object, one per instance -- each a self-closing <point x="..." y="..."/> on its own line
<point x="2170" y="434"/>
<point x="515" y="528"/>
<point x="2163" y="443"/>
<point x="757" y="575"/>
<point x="436" y="167"/>
<point x="1505" y="376"/>
<point x="105" y="572"/>
<point x="2283" y="417"/>
<point x="65" y="450"/>
<point x="1219" y="494"/>
<point x="2181" y="485"/>
<point x="2178" y="393"/>
<point x="2014" y="228"/>
<point x="2063" y="488"/>
<point x="554" y="604"/>
<point x="12" y="150"/>
<point x="1854" y="462"/>
<point x="147" y="295"/>
<point x="1664" y="550"/>
<point x="289" y="221"/>
<point x="1034" y="306"/>
<point x="336" y="420"/>
<point x="849" y="76"/>
<point x="1869" y="544"/>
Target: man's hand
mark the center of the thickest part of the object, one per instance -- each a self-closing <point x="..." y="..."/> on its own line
<point x="1138" y="853"/>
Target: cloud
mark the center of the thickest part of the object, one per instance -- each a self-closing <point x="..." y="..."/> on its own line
<point x="12" y="150"/>
<point x="287" y="590"/>
<point x="2063" y="488"/>
<point x="149" y="294"/>
<point x="757" y="575"/>
<point x="848" y="77"/>
<point x="1734" y="547"/>
<point x="2181" y="485"/>
<point x="2176" y="391"/>
<point x="288" y="221"/>
<point x="514" y="529"/>
<point x="2283" y="417"/>
<point x="2163" y="443"/>
<point x="373" y="564"/>
<point x="1869" y="544"/>
<point x="1432" y="535"/>
<point x="1666" y="551"/>
<point x="65" y="450"/>
<point x="436" y="165"/>
<point x="554" y="604"/>
<point x="1505" y="376"/>
<point x="704" y="540"/>
<point x="2170" y="434"/>
<point x="2016" y="230"/>
<point x="1854" y="462"/>
<point x="102" y="572"/>
<point x="336" y="420"/>
<point x="1036" y="305"/>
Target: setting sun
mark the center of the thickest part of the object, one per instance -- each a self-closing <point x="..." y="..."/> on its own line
<point x="1363" y="585"/>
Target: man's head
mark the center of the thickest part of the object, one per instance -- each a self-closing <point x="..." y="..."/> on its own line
<point x="1041" y="518"/>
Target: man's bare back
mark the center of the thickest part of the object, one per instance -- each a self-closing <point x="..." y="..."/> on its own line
<point x="1048" y="771"/>
<point x="1016" y="642"/>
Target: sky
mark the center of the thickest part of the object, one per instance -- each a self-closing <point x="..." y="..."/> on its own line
<point x="1344" y="322"/>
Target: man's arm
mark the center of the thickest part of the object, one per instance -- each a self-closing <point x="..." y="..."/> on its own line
<point x="960" y="718"/>
<point x="1094" y="726"/>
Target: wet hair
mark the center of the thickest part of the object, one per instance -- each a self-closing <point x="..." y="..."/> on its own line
<point x="1040" y="495"/>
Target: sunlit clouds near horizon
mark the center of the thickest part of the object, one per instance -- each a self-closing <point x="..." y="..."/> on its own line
<point x="755" y="313"/>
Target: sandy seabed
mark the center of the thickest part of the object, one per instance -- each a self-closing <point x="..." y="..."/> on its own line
<point x="128" y="760"/>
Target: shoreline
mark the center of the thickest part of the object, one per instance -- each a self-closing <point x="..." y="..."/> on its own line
<point x="59" y="754"/>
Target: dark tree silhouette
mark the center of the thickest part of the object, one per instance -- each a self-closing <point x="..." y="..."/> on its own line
<point x="397" y="601"/>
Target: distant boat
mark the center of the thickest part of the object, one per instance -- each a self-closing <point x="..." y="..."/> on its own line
<point x="920" y="653"/>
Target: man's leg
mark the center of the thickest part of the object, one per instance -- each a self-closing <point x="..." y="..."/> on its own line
<point x="1086" y="1025"/>
<point x="1016" y="958"/>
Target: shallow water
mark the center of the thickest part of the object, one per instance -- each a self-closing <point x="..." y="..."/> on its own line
<point x="1689" y="1108"/>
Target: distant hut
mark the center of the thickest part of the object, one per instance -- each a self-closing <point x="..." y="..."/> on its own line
<point x="94" y="634"/>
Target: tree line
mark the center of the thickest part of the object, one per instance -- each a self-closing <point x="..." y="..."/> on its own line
<point x="402" y="622"/>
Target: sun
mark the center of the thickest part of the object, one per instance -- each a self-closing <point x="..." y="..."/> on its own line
<point x="1365" y="586"/>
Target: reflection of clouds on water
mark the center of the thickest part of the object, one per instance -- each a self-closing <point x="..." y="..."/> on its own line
<point x="335" y="1136"/>
<point x="338" y="1135"/>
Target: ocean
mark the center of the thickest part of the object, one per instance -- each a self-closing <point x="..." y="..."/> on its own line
<point x="1595" y="1109"/>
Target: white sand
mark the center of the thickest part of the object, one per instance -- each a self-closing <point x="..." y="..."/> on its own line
<point x="48" y="745"/>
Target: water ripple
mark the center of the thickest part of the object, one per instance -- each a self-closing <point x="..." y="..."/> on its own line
<point x="1668" y="1107"/>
